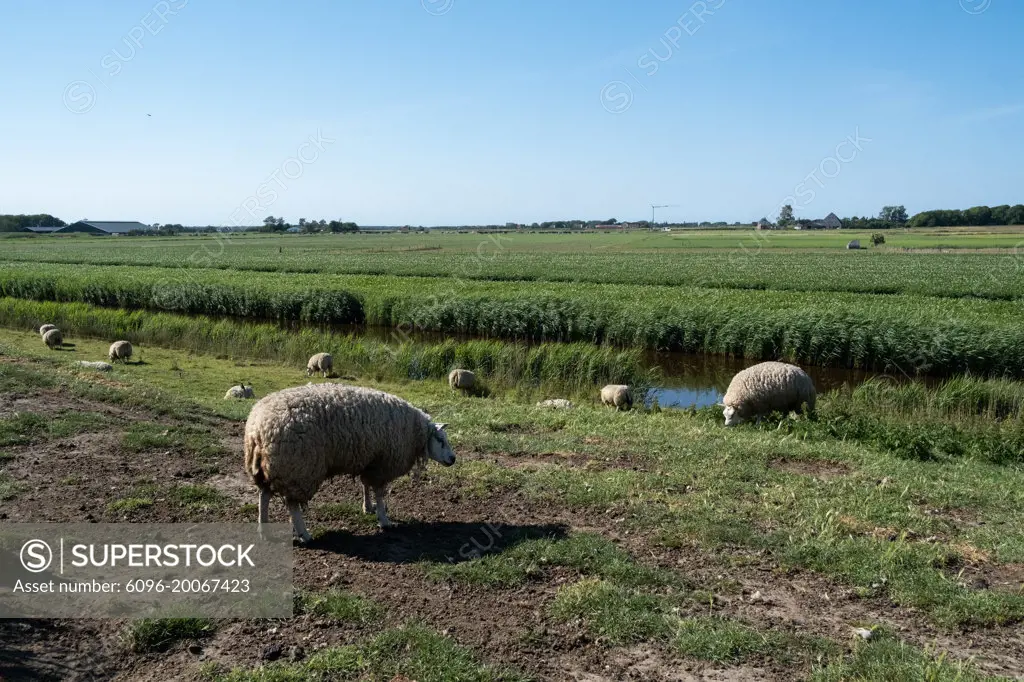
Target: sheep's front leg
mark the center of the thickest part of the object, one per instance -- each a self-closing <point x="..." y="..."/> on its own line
<point x="298" y="523"/>
<point x="379" y="492"/>
<point x="367" y="502"/>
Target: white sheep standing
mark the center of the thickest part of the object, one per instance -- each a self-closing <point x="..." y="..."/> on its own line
<point x="461" y="379"/>
<point x="767" y="387"/>
<point x="45" y="328"/>
<point x="53" y="338"/>
<point x="321" y="362"/>
<point x="556" y="404"/>
<point x="120" y="350"/>
<point x="98" y="365"/>
<point x="617" y="396"/>
<point x="297" y="438"/>
<point x="241" y="391"/>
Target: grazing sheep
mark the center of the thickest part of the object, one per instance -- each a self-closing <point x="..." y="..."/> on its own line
<point x="120" y="350"/>
<point x="242" y="392"/>
<point x="297" y="438"/>
<point x="617" y="396"/>
<point x="321" y="362"/>
<point x="461" y="379"/>
<point x="45" y="328"/>
<point x="767" y="387"/>
<point x="556" y="404"/>
<point x="101" y="366"/>
<point x="53" y="339"/>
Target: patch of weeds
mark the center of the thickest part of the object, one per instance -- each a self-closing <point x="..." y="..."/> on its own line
<point x="142" y="436"/>
<point x="590" y="554"/>
<point x="127" y="505"/>
<point x="159" y="634"/>
<point x="614" y="613"/>
<point x="911" y="575"/>
<point x="196" y="496"/>
<point x="885" y="658"/>
<point x="73" y="479"/>
<point x="9" y="488"/>
<point x="412" y="651"/>
<point x="340" y="605"/>
<point x="346" y="513"/>
<point x="22" y="429"/>
<point x="71" y="423"/>
<point x="712" y="638"/>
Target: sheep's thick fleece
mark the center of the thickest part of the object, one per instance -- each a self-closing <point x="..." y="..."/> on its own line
<point x="242" y="392"/>
<point x="297" y="438"/>
<point x="767" y="387"/>
<point x="321" y="362"/>
<point x="461" y="378"/>
<point x="617" y="396"/>
<point x="45" y="328"/>
<point x="120" y="350"/>
<point x="53" y="339"/>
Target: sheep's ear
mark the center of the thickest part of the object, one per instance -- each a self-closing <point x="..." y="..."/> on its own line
<point x="440" y="427"/>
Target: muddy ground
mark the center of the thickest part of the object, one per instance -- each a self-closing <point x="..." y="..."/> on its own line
<point x="435" y="522"/>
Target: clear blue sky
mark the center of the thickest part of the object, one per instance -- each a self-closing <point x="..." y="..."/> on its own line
<point x="487" y="111"/>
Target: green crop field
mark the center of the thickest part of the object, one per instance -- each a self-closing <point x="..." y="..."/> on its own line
<point x="737" y="259"/>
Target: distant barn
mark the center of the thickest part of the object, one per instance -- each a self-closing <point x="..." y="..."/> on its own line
<point x="106" y="227"/>
<point x="829" y="222"/>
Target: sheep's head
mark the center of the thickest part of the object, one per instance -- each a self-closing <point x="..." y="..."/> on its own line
<point x="438" y="447"/>
<point x="732" y="417"/>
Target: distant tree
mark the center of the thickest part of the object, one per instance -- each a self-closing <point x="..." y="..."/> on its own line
<point x="14" y="223"/>
<point x="894" y="214"/>
<point x="877" y="239"/>
<point x="785" y="216"/>
<point x="978" y="215"/>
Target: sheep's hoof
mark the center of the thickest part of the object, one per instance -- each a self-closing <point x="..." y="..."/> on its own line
<point x="303" y="540"/>
<point x="384" y="525"/>
<point x="368" y="509"/>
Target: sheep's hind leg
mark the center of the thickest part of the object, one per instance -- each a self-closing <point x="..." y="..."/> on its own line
<point x="379" y="491"/>
<point x="298" y="523"/>
<point x="264" y="507"/>
<point x="367" y="502"/>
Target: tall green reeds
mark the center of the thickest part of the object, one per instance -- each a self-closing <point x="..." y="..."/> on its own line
<point x="572" y="366"/>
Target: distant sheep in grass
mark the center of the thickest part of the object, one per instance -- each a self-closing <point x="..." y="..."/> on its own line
<point x="617" y="396"/>
<point x="120" y="350"/>
<point x="321" y="362"/>
<point x="556" y="404"/>
<point x="765" y="388"/>
<point x="462" y="380"/>
<point x="297" y="438"/>
<point x="100" y="366"/>
<point x="53" y="338"/>
<point x="45" y="328"/>
<point x="241" y="392"/>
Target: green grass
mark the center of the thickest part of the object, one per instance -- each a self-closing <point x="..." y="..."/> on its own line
<point x="141" y="436"/>
<point x="155" y="635"/>
<point x="9" y="488"/>
<point x="590" y="554"/>
<point x="28" y="428"/>
<point x="127" y="505"/>
<point x="886" y="659"/>
<point x="343" y="606"/>
<point x="413" y="651"/>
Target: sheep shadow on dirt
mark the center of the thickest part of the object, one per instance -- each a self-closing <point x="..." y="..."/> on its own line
<point x="435" y="541"/>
